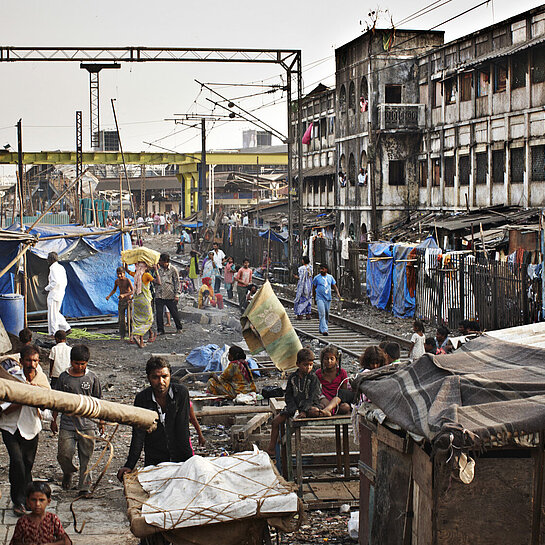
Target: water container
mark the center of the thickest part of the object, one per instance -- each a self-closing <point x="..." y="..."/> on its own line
<point x="12" y="312"/>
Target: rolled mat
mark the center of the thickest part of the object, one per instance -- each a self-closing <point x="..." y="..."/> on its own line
<point x="77" y="405"/>
<point x="148" y="256"/>
<point x="266" y="325"/>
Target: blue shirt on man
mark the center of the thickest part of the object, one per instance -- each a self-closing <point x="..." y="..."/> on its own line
<point x="323" y="286"/>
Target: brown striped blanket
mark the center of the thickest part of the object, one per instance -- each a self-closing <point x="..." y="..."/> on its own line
<point x="486" y="390"/>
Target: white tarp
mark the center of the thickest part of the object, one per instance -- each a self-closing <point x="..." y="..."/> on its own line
<point x="528" y="335"/>
<point x="210" y="490"/>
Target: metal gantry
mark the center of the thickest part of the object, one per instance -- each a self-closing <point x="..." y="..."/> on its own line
<point x="289" y="59"/>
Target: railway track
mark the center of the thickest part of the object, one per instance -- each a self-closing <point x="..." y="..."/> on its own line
<point x="347" y="335"/>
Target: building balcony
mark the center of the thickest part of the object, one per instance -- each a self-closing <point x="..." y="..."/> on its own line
<point x="402" y="116"/>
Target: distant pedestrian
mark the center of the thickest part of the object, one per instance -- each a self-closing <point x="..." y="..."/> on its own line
<point x="243" y="279"/>
<point x="156" y="223"/>
<point x="56" y="288"/>
<point x="76" y="431"/>
<point x="125" y="294"/>
<point x="162" y="224"/>
<point x="322" y="286"/>
<point x="228" y="276"/>
<point x="302" y="306"/>
<point x="219" y="260"/>
<point x="417" y="349"/>
<point x="194" y="268"/>
<point x="167" y="294"/>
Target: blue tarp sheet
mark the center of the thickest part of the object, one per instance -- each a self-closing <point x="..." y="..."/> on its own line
<point x="379" y="273"/>
<point x="8" y="251"/>
<point x="403" y="304"/>
<point x="90" y="262"/>
<point x="207" y="358"/>
<point x="277" y="237"/>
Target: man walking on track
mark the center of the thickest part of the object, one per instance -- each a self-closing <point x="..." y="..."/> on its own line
<point x="167" y="294"/>
<point x="321" y="286"/>
<point x="56" y="287"/>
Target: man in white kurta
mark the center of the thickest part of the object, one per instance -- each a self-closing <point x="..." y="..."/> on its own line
<point x="56" y="287"/>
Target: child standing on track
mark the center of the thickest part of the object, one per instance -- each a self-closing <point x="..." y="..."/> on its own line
<point x="418" y="339"/>
<point x="302" y="395"/>
<point x="59" y="357"/>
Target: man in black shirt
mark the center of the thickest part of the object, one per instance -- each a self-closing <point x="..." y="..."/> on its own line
<point x="170" y="441"/>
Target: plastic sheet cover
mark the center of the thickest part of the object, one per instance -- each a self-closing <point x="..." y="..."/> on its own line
<point x="403" y="303"/>
<point x="379" y="273"/>
<point x="90" y="262"/>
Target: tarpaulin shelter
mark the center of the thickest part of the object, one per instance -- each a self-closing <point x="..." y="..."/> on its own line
<point x="269" y="233"/>
<point x="428" y="419"/>
<point x="90" y="257"/>
<point x="10" y="244"/>
<point x="379" y="273"/>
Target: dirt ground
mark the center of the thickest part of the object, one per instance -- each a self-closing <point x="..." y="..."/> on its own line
<point x="120" y="368"/>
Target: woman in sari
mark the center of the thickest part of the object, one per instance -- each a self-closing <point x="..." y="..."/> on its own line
<point x="303" y="297"/>
<point x="237" y="377"/>
<point x="142" y="313"/>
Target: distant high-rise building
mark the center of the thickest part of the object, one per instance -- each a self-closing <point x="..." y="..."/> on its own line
<point x="252" y="138"/>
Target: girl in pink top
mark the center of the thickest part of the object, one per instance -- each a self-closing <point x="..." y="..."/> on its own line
<point x="228" y="276"/>
<point x="336" y="395"/>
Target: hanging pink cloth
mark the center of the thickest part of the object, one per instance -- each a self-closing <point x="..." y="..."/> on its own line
<point x="140" y="269"/>
<point x="307" y="135"/>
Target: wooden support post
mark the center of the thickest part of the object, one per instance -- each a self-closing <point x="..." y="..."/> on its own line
<point x="289" y="464"/>
<point x="346" y="451"/>
<point x="538" y="492"/>
<point x="299" y="461"/>
<point x="338" y="447"/>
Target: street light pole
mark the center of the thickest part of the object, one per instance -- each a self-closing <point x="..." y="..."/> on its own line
<point x="202" y="180"/>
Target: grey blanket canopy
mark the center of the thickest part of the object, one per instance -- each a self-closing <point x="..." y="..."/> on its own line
<point x="488" y="390"/>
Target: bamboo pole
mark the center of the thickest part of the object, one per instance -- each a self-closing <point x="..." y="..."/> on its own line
<point x="16" y="258"/>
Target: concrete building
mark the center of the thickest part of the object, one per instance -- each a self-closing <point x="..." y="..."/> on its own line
<point x="440" y="126"/>
<point x="318" y="108"/>
<point x="379" y="126"/>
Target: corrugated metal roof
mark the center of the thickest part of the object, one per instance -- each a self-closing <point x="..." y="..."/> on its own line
<point x="319" y="171"/>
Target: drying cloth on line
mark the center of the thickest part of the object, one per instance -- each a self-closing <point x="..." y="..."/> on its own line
<point x="265" y="325"/>
<point x="488" y="390"/>
<point x="204" y="491"/>
<point x="148" y="256"/>
<point x="78" y="405"/>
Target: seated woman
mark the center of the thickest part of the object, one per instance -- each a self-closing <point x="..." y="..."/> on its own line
<point x="206" y="293"/>
<point x="236" y="379"/>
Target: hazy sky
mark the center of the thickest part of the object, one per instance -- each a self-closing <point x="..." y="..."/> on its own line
<point x="46" y="95"/>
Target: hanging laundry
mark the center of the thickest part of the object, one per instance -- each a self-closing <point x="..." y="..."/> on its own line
<point x="308" y="135"/>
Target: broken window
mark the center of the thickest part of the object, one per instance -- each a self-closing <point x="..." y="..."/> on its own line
<point x="538" y="64"/>
<point x="449" y="171"/>
<point x="519" y="67"/>
<point x="396" y="173"/>
<point x="465" y="86"/>
<point x="498" y="166"/>
<point x="436" y="172"/>
<point x="482" y="167"/>
<point x="500" y="77"/>
<point x="450" y="91"/>
<point x="538" y="163"/>
<point x="393" y="94"/>
<point x="483" y="81"/>
<point x="352" y="96"/>
<point x="342" y="99"/>
<point x="464" y="167"/>
<point x="423" y="173"/>
<point x="517" y="165"/>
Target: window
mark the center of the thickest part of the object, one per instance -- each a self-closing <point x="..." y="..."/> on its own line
<point x="482" y="167"/>
<point x="519" y="67"/>
<point x="436" y="173"/>
<point x="450" y="91"/>
<point x="331" y="125"/>
<point x="517" y="165"/>
<point x="483" y="80"/>
<point x="538" y="65"/>
<point x="352" y="96"/>
<point x="500" y="77"/>
<point x="351" y="170"/>
<point x="342" y="99"/>
<point x="498" y="166"/>
<point x="396" y="173"/>
<point x="323" y="127"/>
<point x="423" y="173"/>
<point x="364" y="89"/>
<point x="466" y="81"/>
<point x="464" y="166"/>
<point x="449" y="171"/>
<point x="538" y="163"/>
<point x="393" y="94"/>
<point x="437" y="95"/>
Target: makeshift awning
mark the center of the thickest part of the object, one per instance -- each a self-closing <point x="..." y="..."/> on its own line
<point x="277" y="237"/>
<point x="487" y="390"/>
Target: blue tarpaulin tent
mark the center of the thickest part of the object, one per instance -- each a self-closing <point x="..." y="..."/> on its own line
<point x="277" y="237"/>
<point x="379" y="273"/>
<point x="90" y="259"/>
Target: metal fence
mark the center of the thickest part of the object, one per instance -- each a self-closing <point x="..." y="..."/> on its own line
<point x="461" y="287"/>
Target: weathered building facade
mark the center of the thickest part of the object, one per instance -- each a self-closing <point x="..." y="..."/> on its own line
<point x="440" y="126"/>
<point x="318" y="109"/>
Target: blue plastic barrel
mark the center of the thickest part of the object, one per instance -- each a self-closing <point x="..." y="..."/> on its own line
<point x="12" y="312"/>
